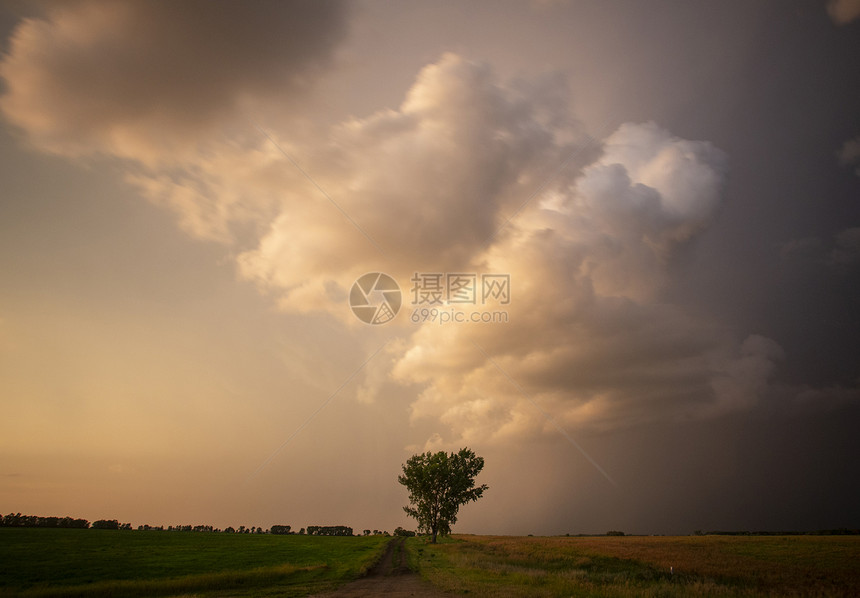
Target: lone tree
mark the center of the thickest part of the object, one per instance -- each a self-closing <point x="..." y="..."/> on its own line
<point x="438" y="484"/>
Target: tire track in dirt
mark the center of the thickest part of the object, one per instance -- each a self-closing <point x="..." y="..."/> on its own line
<point x="391" y="576"/>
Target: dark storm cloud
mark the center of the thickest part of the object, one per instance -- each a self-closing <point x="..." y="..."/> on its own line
<point x="136" y="77"/>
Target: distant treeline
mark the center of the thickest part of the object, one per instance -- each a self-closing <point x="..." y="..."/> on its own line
<point x="842" y="531"/>
<point x="404" y="532"/>
<point x="823" y="532"/>
<point x="329" y="530"/>
<point x="19" y="520"/>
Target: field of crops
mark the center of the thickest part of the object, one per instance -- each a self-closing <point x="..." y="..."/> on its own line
<point x="643" y="566"/>
<point x="87" y="562"/>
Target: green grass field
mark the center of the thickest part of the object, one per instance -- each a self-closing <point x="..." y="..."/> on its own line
<point x="640" y="566"/>
<point x="69" y="562"/>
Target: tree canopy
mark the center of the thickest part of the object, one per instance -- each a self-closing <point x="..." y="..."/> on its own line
<point x="438" y="484"/>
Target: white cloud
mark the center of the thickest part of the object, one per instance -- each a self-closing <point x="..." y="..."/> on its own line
<point x="428" y="182"/>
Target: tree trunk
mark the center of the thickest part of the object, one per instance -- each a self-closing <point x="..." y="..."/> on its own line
<point x="433" y="541"/>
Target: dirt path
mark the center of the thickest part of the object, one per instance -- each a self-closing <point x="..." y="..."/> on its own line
<point x="390" y="577"/>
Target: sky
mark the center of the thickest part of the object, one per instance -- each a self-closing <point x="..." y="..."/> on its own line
<point x="620" y="240"/>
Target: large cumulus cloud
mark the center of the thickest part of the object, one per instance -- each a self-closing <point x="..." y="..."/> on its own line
<point x="425" y="185"/>
<point x="590" y="338"/>
<point x="439" y="184"/>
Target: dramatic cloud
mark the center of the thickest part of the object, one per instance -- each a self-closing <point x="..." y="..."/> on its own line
<point x="843" y="11"/>
<point x="421" y="188"/>
<point x="590" y="337"/>
<point x="147" y="79"/>
<point x="444" y="183"/>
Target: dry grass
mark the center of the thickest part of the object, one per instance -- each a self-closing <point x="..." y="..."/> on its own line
<point x="640" y="566"/>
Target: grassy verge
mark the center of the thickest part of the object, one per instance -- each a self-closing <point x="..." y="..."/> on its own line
<point x="65" y="563"/>
<point x="634" y="566"/>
